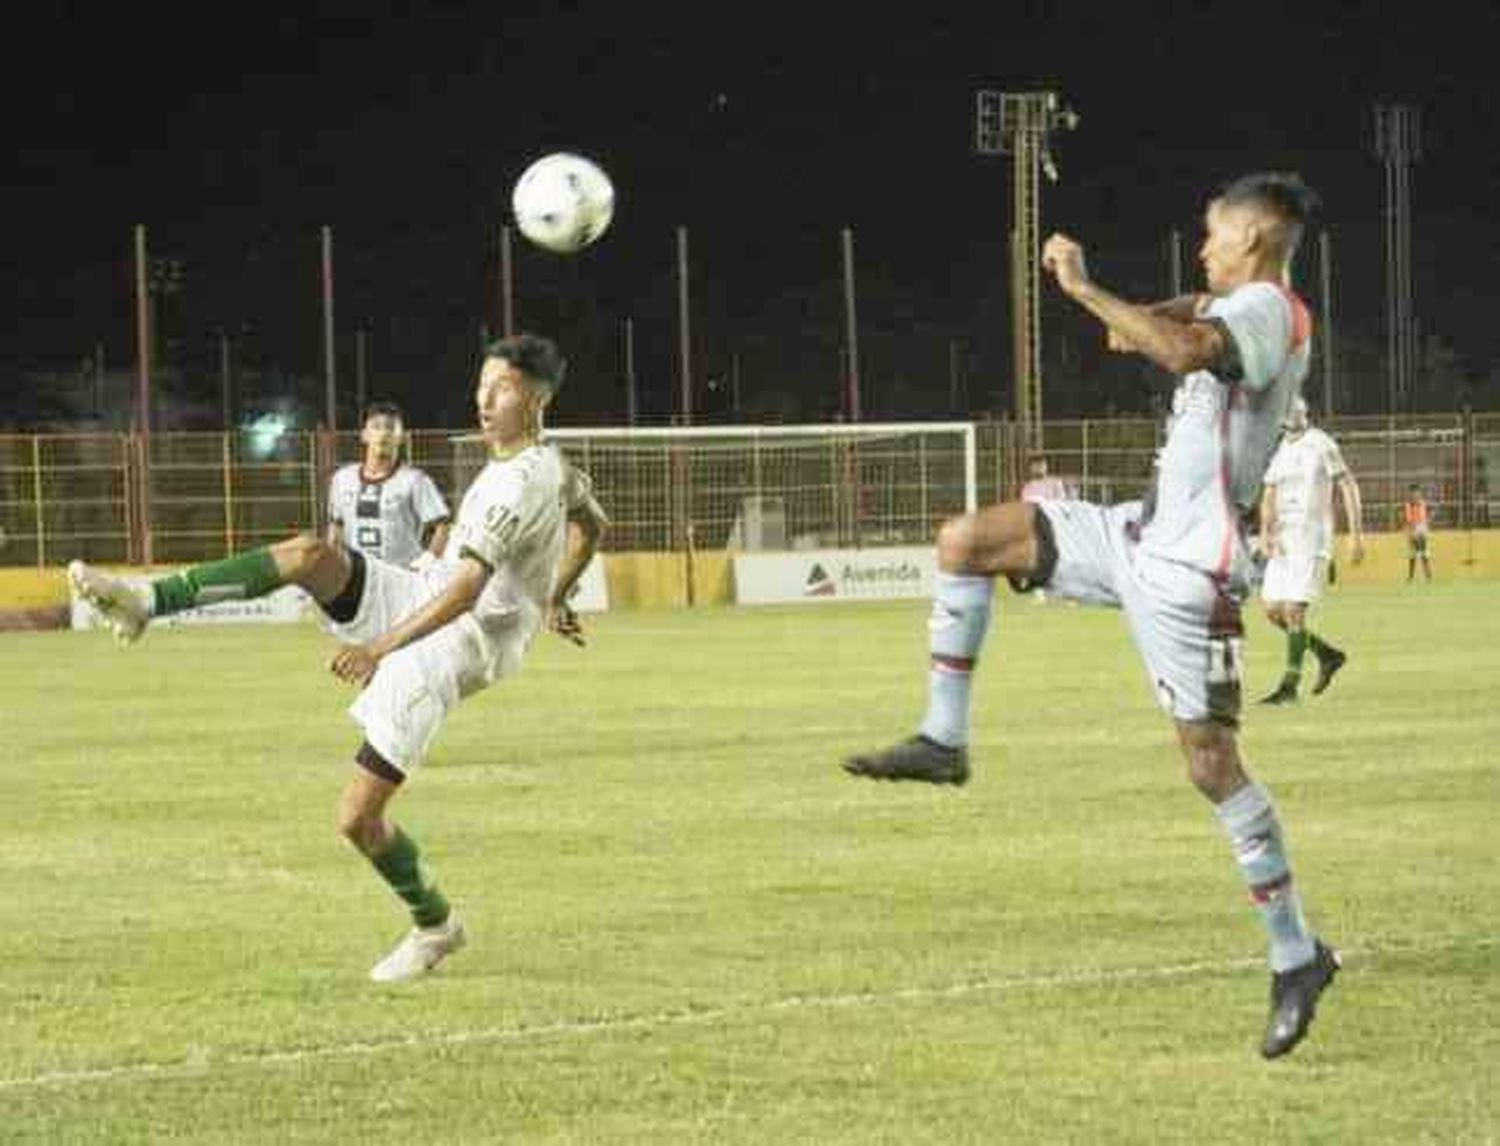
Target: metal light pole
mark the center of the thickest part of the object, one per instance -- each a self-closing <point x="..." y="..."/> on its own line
<point x="1398" y="144"/>
<point x="851" y="330"/>
<point x="684" y="332"/>
<point x="330" y="394"/>
<point x="1325" y="283"/>
<point x="1021" y="125"/>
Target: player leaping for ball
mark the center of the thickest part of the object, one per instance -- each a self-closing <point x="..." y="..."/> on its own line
<point x="1175" y="565"/>
<point x="421" y="640"/>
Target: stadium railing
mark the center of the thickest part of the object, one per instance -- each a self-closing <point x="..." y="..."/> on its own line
<point x="193" y="496"/>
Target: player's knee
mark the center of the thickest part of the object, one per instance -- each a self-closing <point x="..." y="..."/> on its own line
<point x="956" y="543"/>
<point x="300" y="555"/>
<point x="1213" y="761"/>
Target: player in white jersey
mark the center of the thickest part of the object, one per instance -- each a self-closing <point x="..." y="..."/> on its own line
<point x="1296" y="525"/>
<point x="1176" y="567"/>
<point x="383" y="506"/>
<point x="420" y="640"/>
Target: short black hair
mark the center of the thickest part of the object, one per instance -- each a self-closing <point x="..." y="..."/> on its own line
<point x="534" y="356"/>
<point x="382" y="410"/>
<point x="1281" y="193"/>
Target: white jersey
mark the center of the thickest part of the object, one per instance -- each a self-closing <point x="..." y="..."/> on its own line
<point x="1222" y="432"/>
<point x="1302" y="474"/>
<point x="385" y="518"/>
<point x="514" y="518"/>
<point x="1045" y="489"/>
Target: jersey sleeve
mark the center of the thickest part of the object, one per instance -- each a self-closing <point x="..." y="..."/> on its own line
<point x="1258" y="318"/>
<point x="429" y="500"/>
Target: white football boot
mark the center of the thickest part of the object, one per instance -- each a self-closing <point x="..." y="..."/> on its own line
<point x="422" y="950"/>
<point x="120" y="605"/>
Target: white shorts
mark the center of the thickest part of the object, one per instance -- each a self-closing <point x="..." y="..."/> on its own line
<point x="1295" y="577"/>
<point x="1185" y="626"/>
<point x="415" y="687"/>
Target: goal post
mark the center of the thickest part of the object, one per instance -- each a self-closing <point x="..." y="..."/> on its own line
<point x="770" y="487"/>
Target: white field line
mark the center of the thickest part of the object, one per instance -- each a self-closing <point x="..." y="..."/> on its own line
<point x="203" y="1060"/>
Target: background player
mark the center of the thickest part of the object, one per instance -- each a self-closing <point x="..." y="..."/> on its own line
<point x="382" y="506"/>
<point x="1416" y="516"/>
<point x="1296" y="524"/>
<point x="421" y="640"/>
<point x="1177" y="566"/>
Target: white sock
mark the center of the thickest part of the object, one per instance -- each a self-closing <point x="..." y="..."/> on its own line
<point x="960" y="618"/>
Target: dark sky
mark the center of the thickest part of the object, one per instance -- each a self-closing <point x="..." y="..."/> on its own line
<point x="234" y="132"/>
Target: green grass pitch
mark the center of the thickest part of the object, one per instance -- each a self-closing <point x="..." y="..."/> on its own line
<point x="687" y="925"/>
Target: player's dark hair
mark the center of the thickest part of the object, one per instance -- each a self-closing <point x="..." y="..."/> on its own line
<point x="1282" y="194"/>
<point x="534" y="356"/>
<point x="382" y="410"/>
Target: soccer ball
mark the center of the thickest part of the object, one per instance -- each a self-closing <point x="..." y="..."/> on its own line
<point x="563" y="202"/>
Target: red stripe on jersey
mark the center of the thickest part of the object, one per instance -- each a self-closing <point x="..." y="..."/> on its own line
<point x="1301" y="319"/>
<point x="1231" y="518"/>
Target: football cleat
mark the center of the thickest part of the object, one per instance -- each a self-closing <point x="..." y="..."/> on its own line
<point x="1286" y="693"/>
<point x="119" y="604"/>
<point x="1326" y="669"/>
<point x="1294" y="1000"/>
<point x="914" y="759"/>
<point x="422" y="950"/>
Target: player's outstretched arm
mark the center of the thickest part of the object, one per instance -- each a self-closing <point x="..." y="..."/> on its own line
<point x="1354" y="515"/>
<point x="1268" y="527"/>
<point x="437" y="537"/>
<point x="587" y="525"/>
<point x="1178" y="345"/>
<point x="357" y="663"/>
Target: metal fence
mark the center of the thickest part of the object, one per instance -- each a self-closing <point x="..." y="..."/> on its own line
<point x="192" y="496"/>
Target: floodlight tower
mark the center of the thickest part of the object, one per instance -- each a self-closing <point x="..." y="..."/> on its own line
<point x="1398" y="144"/>
<point x="1021" y="124"/>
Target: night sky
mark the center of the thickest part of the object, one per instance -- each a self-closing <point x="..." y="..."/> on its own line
<point x="234" y="133"/>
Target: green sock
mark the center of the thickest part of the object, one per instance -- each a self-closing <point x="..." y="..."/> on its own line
<point x="1296" y="646"/>
<point x="238" y="578"/>
<point x="399" y="866"/>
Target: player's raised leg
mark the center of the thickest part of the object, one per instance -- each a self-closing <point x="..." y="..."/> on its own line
<point x="1302" y="966"/>
<point x="972" y="551"/>
<point x="323" y="569"/>
<point x="436" y="930"/>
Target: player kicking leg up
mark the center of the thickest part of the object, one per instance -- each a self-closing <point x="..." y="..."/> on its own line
<point x="1179" y="571"/>
<point x="420" y="640"/>
<point x="359" y="595"/>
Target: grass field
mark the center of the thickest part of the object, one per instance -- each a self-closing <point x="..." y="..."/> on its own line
<point x="687" y="925"/>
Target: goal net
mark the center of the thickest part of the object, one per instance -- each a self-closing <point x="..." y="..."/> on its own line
<point x="749" y="488"/>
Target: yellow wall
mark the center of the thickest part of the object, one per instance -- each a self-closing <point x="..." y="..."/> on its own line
<point x="659" y="580"/>
<point x="1455" y="556"/>
<point x="32" y="588"/>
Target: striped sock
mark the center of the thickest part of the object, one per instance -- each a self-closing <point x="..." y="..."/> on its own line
<point x="1255" y="833"/>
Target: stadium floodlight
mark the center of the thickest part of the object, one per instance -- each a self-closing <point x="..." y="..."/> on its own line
<point x="1021" y="125"/>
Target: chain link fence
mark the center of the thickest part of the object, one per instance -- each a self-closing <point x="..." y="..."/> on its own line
<point x="181" y="497"/>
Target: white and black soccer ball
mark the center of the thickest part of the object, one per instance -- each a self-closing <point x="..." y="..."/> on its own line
<point x="563" y="202"/>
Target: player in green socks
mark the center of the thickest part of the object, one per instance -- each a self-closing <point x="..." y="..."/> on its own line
<point x="419" y="640"/>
